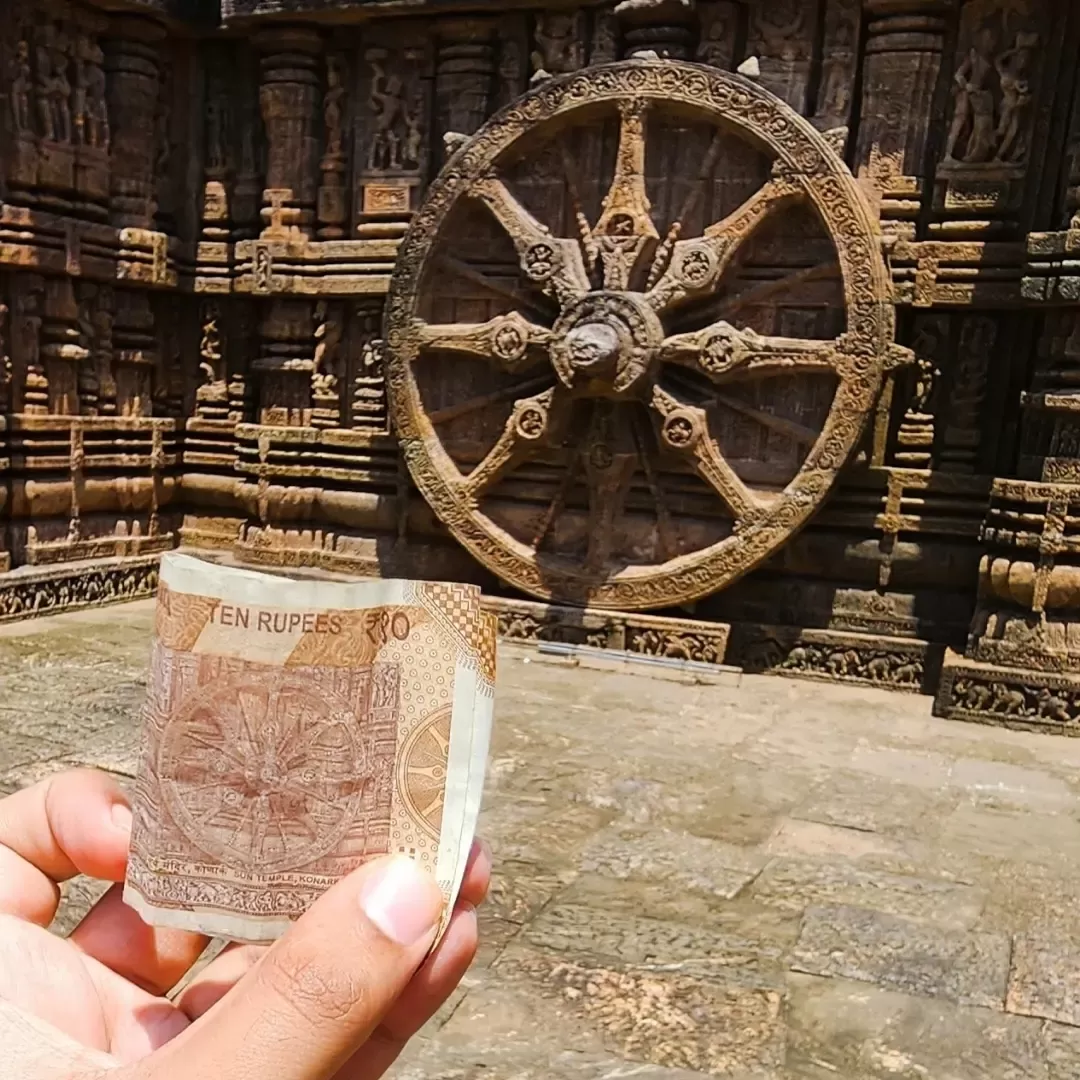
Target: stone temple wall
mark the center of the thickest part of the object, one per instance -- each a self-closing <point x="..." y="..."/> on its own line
<point x="740" y="331"/>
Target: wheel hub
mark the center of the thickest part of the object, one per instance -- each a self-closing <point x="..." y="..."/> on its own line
<point x="605" y="344"/>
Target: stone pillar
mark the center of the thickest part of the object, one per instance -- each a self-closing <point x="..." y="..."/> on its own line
<point x="290" y="97"/>
<point x="62" y="351"/>
<point x="333" y="207"/>
<point x="667" y="28"/>
<point x="135" y="353"/>
<point x="134" y="88"/>
<point x="465" y="68"/>
<point x="839" y="65"/>
<point x="30" y="383"/>
<point x="285" y="365"/>
<point x="1022" y="662"/>
<point x="903" y="58"/>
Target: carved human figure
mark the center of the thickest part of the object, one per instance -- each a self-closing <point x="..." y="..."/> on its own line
<point x="1014" y="68"/>
<point x="334" y="109"/>
<point x="43" y="88"/>
<point x="22" y="83"/>
<point x="414" y="137"/>
<point x="509" y="70"/>
<point x="717" y="42"/>
<point x="60" y="92"/>
<point x="327" y="342"/>
<point x="779" y="23"/>
<point x="79" y="93"/>
<point x="215" y="130"/>
<point x="556" y="43"/>
<point x="387" y="103"/>
<point x="835" y="97"/>
<point x="973" y="119"/>
<point x="97" y="103"/>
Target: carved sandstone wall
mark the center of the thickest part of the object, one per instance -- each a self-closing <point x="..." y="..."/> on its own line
<point x="554" y="299"/>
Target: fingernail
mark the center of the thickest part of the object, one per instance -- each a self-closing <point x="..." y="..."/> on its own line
<point x="121" y="815"/>
<point x="402" y="901"/>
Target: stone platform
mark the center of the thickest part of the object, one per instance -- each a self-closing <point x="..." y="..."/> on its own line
<point x="760" y="879"/>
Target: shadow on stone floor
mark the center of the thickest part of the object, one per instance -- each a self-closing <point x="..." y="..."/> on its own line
<point x="768" y="881"/>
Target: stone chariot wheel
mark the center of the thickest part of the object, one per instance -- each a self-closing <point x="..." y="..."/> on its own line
<point x="575" y="393"/>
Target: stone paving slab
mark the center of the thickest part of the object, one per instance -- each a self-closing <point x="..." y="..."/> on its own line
<point x="793" y="883"/>
<point x="658" y="946"/>
<point x="655" y="1018"/>
<point x="1045" y="979"/>
<point x="774" y="881"/>
<point x="681" y="860"/>
<point x="869" y="946"/>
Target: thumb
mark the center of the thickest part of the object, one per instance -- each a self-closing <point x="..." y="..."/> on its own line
<point x="318" y="993"/>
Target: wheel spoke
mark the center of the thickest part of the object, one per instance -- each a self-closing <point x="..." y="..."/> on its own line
<point x="665" y="528"/>
<point x="558" y="501"/>
<point x="697" y="265"/>
<point x="684" y="432"/>
<point x="609" y="467"/>
<point x="510" y="341"/>
<point x="549" y="262"/>
<point x="721" y="353"/>
<point x="625" y="233"/>
<point x="526" y="431"/>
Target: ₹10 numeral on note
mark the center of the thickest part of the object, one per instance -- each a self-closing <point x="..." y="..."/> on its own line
<point x="296" y="729"/>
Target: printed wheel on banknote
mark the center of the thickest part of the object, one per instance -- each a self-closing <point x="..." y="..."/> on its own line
<point x="422" y="770"/>
<point x="264" y="774"/>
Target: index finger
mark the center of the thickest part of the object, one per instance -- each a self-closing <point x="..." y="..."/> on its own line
<point x="73" y="823"/>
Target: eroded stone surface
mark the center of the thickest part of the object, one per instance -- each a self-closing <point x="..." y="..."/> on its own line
<point x="1045" y="979"/>
<point x="858" y="943"/>
<point x="671" y="861"/>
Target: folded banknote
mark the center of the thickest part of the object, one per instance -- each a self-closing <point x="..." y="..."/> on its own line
<point x="294" y="730"/>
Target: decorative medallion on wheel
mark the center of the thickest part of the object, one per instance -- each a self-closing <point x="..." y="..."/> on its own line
<point x="636" y="329"/>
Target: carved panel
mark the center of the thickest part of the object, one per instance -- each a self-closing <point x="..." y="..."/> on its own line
<point x="1002" y="71"/>
<point x="394" y="126"/>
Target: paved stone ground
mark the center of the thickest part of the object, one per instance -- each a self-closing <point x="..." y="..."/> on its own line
<point x="775" y="880"/>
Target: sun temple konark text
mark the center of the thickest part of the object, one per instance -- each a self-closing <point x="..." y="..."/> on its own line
<point x="742" y="332"/>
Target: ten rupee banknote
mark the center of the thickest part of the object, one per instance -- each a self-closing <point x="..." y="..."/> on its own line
<point x="294" y="730"/>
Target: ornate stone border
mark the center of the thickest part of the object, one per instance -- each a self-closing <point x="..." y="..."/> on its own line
<point x="26" y="595"/>
<point x="1008" y="697"/>
<point x="642" y="635"/>
<point x="888" y="663"/>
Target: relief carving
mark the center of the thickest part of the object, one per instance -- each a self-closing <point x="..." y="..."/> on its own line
<point x="559" y="48"/>
<point x="994" y="87"/>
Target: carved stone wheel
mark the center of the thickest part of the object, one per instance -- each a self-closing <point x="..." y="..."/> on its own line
<point x="573" y="393"/>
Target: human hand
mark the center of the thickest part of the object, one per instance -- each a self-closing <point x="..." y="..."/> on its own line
<point x="337" y="998"/>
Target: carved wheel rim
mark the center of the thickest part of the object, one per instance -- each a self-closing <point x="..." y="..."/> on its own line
<point x="613" y="289"/>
